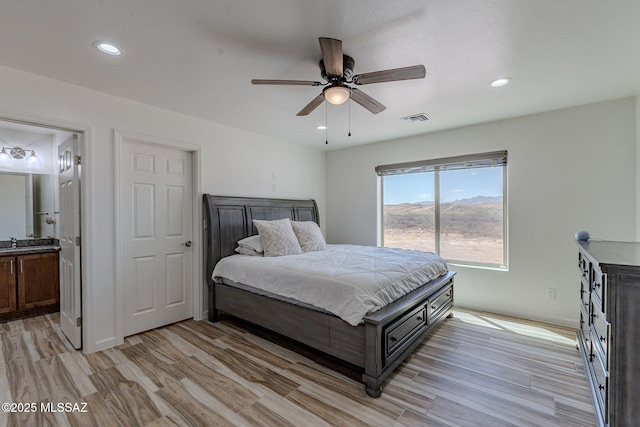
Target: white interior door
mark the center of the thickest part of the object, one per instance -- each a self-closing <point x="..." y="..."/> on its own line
<point x="69" y="221"/>
<point x="156" y="233"/>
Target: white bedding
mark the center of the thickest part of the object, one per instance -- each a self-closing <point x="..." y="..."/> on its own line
<point x="346" y="280"/>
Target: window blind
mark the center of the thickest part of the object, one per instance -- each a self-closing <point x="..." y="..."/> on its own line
<point x="483" y="160"/>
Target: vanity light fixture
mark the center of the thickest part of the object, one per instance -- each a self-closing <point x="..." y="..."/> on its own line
<point x="17" y="153"/>
<point x="4" y="156"/>
<point x="108" y="48"/>
<point x="33" y="161"/>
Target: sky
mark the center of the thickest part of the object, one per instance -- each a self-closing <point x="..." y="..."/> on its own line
<point x="454" y="185"/>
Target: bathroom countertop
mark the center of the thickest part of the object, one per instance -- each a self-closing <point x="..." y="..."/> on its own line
<point x="29" y="250"/>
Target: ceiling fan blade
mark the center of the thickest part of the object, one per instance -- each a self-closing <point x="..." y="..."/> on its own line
<point x="331" y="55"/>
<point x="405" y="73"/>
<point x="285" y="82"/>
<point x="366" y="101"/>
<point x="311" y="106"/>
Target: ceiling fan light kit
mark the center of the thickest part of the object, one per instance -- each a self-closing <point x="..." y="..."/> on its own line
<point x="337" y="69"/>
<point x="337" y="94"/>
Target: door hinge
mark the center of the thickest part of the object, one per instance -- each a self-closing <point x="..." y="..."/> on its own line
<point x="79" y="322"/>
<point x="78" y="241"/>
<point x="77" y="160"/>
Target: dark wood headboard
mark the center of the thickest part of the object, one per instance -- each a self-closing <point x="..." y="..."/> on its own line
<point x="229" y="219"/>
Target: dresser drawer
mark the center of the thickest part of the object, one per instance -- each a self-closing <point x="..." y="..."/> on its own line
<point x="598" y="287"/>
<point x="402" y="329"/>
<point x="583" y="266"/>
<point x="584" y="326"/>
<point x="585" y="293"/>
<point x="601" y="334"/>
<point x="600" y="381"/>
<point x="440" y="302"/>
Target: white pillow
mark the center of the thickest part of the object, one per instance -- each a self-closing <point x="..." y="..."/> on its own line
<point x="309" y="236"/>
<point x="244" y="250"/>
<point x="277" y="237"/>
<point x="252" y="242"/>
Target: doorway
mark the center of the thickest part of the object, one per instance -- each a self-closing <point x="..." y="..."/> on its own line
<point x="42" y="215"/>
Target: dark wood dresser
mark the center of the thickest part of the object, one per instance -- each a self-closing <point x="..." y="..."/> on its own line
<point x="609" y="334"/>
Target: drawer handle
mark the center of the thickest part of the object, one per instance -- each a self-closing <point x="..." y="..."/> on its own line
<point x="600" y="386"/>
<point x="433" y="307"/>
<point x="419" y="318"/>
<point x="603" y="339"/>
<point x="394" y="338"/>
<point x="596" y="284"/>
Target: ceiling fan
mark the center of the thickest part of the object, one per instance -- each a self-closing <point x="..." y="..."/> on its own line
<point x="337" y="69"/>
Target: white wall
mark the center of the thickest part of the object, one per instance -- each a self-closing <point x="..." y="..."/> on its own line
<point x="638" y="168"/>
<point x="233" y="162"/>
<point x="568" y="170"/>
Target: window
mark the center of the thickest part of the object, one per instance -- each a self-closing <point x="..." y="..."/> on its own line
<point x="454" y="207"/>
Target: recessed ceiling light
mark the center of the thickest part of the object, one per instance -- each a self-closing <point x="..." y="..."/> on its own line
<point x="321" y="127"/>
<point x="502" y="81"/>
<point x="107" y="48"/>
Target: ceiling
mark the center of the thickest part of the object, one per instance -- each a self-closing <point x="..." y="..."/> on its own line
<point x="198" y="57"/>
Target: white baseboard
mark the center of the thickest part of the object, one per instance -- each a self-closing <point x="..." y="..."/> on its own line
<point x="560" y="321"/>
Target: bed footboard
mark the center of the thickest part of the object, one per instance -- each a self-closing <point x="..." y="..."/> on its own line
<point x="395" y="331"/>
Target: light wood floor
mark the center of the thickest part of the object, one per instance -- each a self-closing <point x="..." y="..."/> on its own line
<point x="477" y="369"/>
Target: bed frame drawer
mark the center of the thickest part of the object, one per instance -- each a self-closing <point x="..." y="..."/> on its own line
<point x="398" y="332"/>
<point x="440" y="302"/>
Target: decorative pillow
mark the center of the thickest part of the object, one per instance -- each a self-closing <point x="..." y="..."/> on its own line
<point x="252" y="242"/>
<point x="309" y="236"/>
<point x="277" y="237"/>
<point x="244" y="250"/>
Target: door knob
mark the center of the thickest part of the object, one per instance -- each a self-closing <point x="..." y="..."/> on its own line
<point x="187" y="243"/>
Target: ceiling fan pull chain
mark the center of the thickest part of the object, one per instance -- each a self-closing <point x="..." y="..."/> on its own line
<point x="326" y="124"/>
<point x="349" y="117"/>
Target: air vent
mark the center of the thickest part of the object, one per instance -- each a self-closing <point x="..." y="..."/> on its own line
<point x="416" y="118"/>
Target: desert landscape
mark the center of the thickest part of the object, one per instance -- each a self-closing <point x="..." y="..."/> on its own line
<point x="470" y="229"/>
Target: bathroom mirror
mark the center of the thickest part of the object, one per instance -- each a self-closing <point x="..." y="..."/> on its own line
<point x="26" y="202"/>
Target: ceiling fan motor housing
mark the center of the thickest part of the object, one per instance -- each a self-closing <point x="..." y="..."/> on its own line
<point x="348" y="64"/>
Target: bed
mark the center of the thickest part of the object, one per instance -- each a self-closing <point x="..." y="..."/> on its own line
<point x="376" y="345"/>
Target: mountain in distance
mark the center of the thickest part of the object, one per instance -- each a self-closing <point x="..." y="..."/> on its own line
<point x="477" y="200"/>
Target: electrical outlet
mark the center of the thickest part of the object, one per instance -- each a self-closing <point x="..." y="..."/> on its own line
<point x="551" y="293"/>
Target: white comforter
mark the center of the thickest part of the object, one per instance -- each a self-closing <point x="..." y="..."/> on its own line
<point x="346" y="280"/>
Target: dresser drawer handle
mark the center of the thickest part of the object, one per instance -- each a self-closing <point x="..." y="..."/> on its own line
<point x="603" y="339"/>
<point x="419" y="318"/>
<point x="433" y="307"/>
<point x="394" y="338"/>
<point x="596" y="284"/>
<point x="600" y="386"/>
